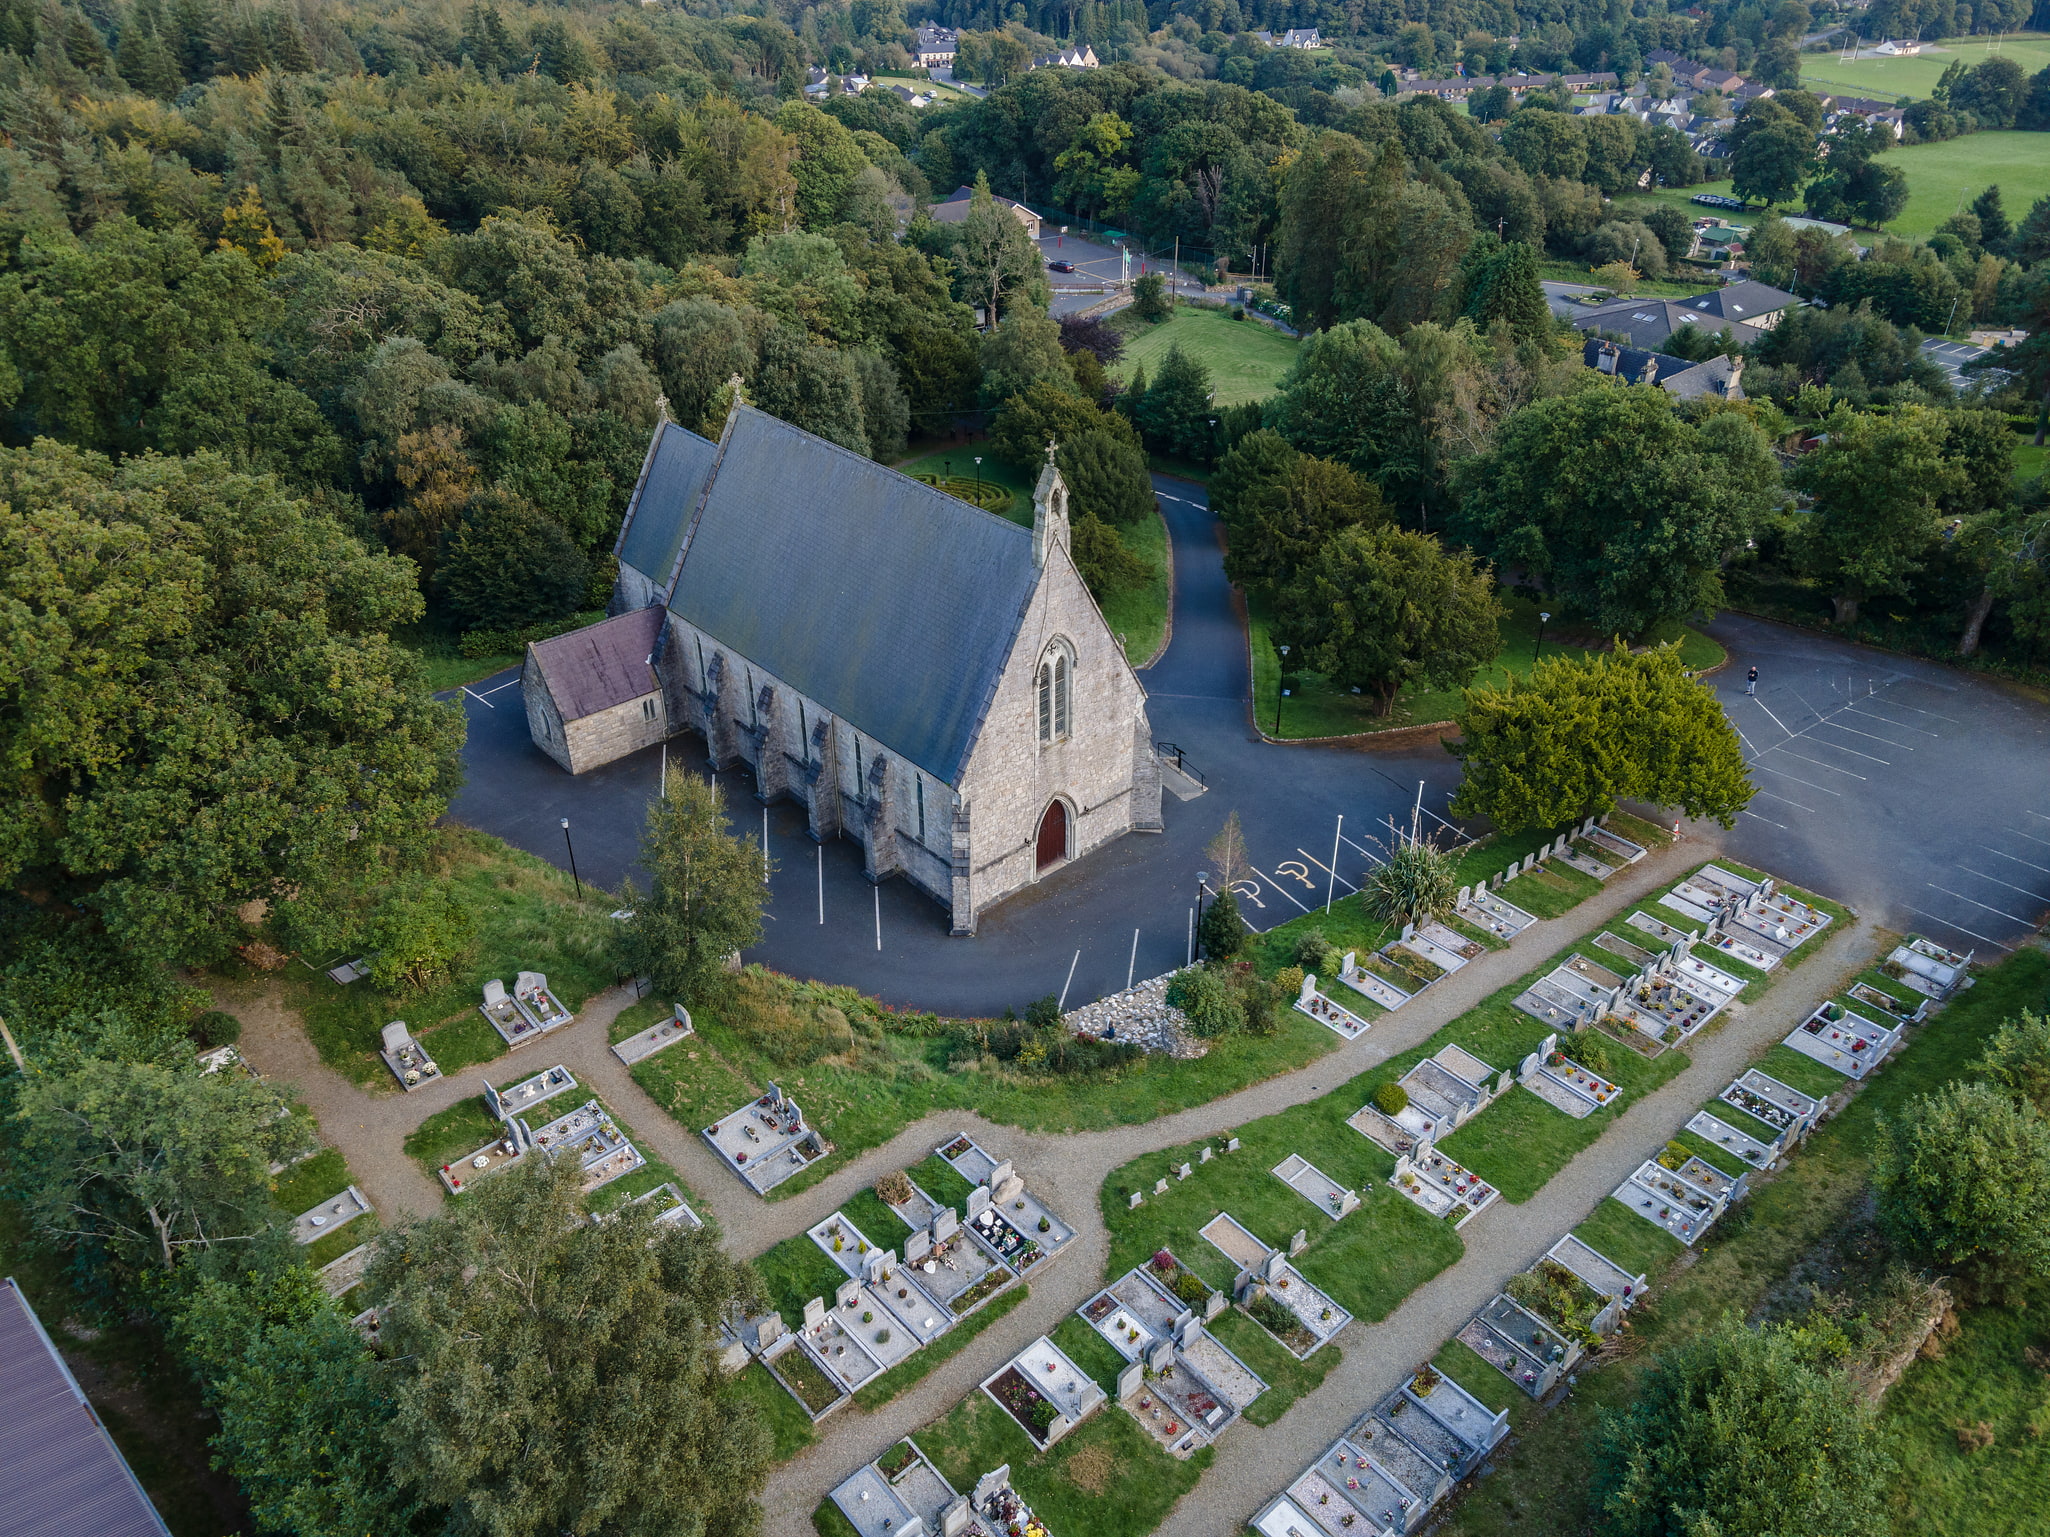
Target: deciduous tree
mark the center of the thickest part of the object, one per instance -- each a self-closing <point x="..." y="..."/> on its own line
<point x="1876" y="485"/>
<point x="707" y="893"/>
<point x="1961" y="1175"/>
<point x="1280" y="528"/>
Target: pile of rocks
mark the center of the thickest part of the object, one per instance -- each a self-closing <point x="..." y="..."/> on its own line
<point x="1142" y="1017"/>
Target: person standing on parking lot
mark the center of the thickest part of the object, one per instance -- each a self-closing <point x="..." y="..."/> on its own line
<point x="1751" y="681"/>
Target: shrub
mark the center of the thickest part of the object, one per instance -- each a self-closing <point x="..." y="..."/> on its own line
<point x="1289" y="981"/>
<point x="1149" y="298"/>
<point x="1189" y="1288"/>
<point x="1220" y="932"/>
<point x="421" y="929"/>
<point x="1313" y="952"/>
<point x="1272" y="1316"/>
<point x="1391" y="1098"/>
<point x="894" y="1188"/>
<point x="1043" y="1011"/>
<point x="1589" y="1050"/>
<point x="215" y="1027"/>
<point x="1209" y="1003"/>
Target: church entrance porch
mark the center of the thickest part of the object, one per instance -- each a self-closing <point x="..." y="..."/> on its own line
<point x="1053" y="835"/>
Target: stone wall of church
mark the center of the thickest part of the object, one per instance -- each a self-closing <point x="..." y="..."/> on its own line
<point x="593" y="740"/>
<point x="544" y="721"/>
<point x="1104" y="770"/>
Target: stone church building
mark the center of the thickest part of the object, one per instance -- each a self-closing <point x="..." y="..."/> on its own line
<point x="926" y="677"/>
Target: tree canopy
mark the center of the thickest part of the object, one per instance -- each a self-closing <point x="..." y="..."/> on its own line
<point x="706" y="894"/>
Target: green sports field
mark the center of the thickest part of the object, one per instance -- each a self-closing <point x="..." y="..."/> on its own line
<point x="1246" y="359"/>
<point x="1891" y="79"/>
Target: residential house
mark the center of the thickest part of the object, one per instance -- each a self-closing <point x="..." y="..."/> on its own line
<point x="1719" y="376"/>
<point x="1068" y="58"/>
<point x="1747" y="303"/>
<point x="936" y="47"/>
<point x="1649" y="323"/>
<point x="955" y="209"/>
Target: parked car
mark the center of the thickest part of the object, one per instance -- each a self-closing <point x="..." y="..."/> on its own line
<point x="1717" y="200"/>
<point x="1060" y="266"/>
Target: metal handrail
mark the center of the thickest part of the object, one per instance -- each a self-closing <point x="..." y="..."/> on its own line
<point x="1174" y="751"/>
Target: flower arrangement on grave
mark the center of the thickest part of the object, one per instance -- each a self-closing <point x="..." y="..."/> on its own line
<point x="1424" y="1381"/>
<point x="1045" y="1225"/>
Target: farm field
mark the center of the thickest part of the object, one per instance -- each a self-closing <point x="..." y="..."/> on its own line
<point x="1884" y="79"/>
<point x="1246" y="359"/>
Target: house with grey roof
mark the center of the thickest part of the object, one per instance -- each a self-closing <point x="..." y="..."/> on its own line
<point x="59" y="1469"/>
<point x="1748" y="303"/>
<point x="1718" y="377"/>
<point x="955" y="209"/>
<point x="927" y="678"/>
<point x="1650" y="322"/>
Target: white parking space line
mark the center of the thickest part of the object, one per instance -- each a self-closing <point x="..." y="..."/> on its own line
<point x="1795" y="804"/>
<point x="1775" y="719"/>
<point x="1868" y="736"/>
<point x="1958" y="926"/>
<point x="1817" y="762"/>
<point x="1768" y="821"/>
<point x="1996" y="911"/>
<point x="509" y="683"/>
<point x="481" y="700"/>
<point x="1823" y="741"/>
<point x="1313" y="859"/>
<point x="1825" y="789"/>
<point x="1377" y="859"/>
<point x="1931" y="713"/>
<point x="1989" y="848"/>
<point x="2031" y="837"/>
<point x="2033" y="896"/>
<point x="1748" y="745"/>
<point x="1275" y="885"/>
<point x="2028" y="813"/>
<point x="1898" y="725"/>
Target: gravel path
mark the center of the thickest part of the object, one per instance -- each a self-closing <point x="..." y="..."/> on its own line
<point x="1068" y="1170"/>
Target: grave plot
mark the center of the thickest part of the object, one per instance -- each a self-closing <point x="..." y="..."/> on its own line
<point x="1130" y="1335"/>
<point x="1850" y="1043"/>
<point x="1375" y="985"/>
<point x="843" y="1243"/>
<point x="670" y="1208"/>
<point x="1572" y="1087"/>
<point x="1614" y="843"/>
<point x="1665" y="933"/>
<point x="1441" y="1187"/>
<point x="959" y="1272"/>
<point x="1021" y="1230"/>
<point x="1704" y="1176"/>
<point x="1235" y="1242"/>
<point x="968" y="1158"/>
<point x="1405" y="964"/>
<point x="1410" y="1446"/>
<point x="590" y="1135"/>
<point x="529" y="1092"/>
<point x="338" y="1276"/>
<point x="225" y="1059"/>
<point x="1332" y="1016"/>
<point x="1747" y="1147"/>
<point x="1799" y="1109"/>
<point x="844" y="1350"/>
<point x="882" y="1498"/>
<point x="1446" y="1420"/>
<point x="1182" y="1406"/>
<point x="406" y="1057"/>
<point x="1381" y="1131"/>
<point x="1227" y="1376"/>
<point x="1439" y="1098"/>
<point x="1315" y="1186"/>
<point x="1004" y="1240"/>
<point x="1046" y="1393"/>
<point x="1709" y="981"/>
<point x="1301" y="1316"/>
<point x="1595" y="1268"/>
<point x="1734" y="945"/>
<point x="1927" y="967"/>
<point x="659" y="1036"/>
<point x="1569" y="993"/>
<point x="1352" y="1490"/>
<point x="1616" y="944"/>
<point x="871" y="1506"/>
<point x="1518" y="1344"/>
<point x="1888" y="1005"/>
<point x="1659" y="1197"/>
<point x="805" y="1378"/>
<point x="1451" y="941"/>
<point x="489" y="1159"/>
<point x="1485" y="910"/>
<point x="334" y="1212"/>
<point x="766" y="1141"/>
<point x="897" y="1295"/>
<point x="527" y="1013"/>
<point x="1665" y="1009"/>
<point x="1690" y="901"/>
<point x="1588" y="859"/>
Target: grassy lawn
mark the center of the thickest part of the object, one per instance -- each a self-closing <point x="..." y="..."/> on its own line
<point x="1139" y="614"/>
<point x="1938" y="1488"/>
<point x="878" y="1224"/>
<point x="862" y="1098"/>
<point x="790" y="1428"/>
<point x="453" y="1133"/>
<point x="941" y="1180"/>
<point x="916" y="1366"/>
<point x="1318" y="708"/>
<point x="1090" y="1351"/>
<point x="526" y="919"/>
<point x="313" y="1179"/>
<point x="1883" y="79"/>
<point x="1287" y="1378"/>
<point x="1107" y="1478"/>
<point x="795" y="1271"/>
<point x="2018" y="161"/>
<point x="957" y="461"/>
<point x="1246" y="359"/>
<point x="2029" y="460"/>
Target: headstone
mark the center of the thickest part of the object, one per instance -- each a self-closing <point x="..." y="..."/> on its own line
<point x="1308" y="989"/>
<point x="991" y="1483"/>
<point x="978" y="1201"/>
<point x="1242" y="1283"/>
<point x="955" y="1518"/>
<point x="1409" y="931"/>
<point x="917" y="1247"/>
<point x="522" y="1134"/>
<point x="1186" y="1327"/>
<point x="1548" y="1045"/>
<point x="1182" y="1171"/>
<point x="492" y="1102"/>
<point x="1465" y="895"/>
<point x="396" y="1035"/>
<point x="1502" y="1083"/>
<point x="1129" y="1379"/>
<point x="1160" y="1187"/>
<point x="1214" y="1304"/>
<point x="1181" y="1321"/>
<point x="1300" y="1242"/>
<point x="1348" y="1203"/>
<point x="1231" y="1144"/>
<point x="1137" y="1201"/>
<point x="945" y="1224"/>
<point x="774" y="1097"/>
<point x="1206" y="1155"/>
<point x="1274" y="1267"/>
<point x="998" y="1175"/>
<point x="849" y="1293"/>
<point x="878" y="1263"/>
<point x="1160" y="1353"/>
<point x="1496" y="883"/>
<point x="1528" y="1067"/>
<point x="732" y="1356"/>
<point x="682" y="1018"/>
<point x="1349" y="963"/>
<point x="814" y="1312"/>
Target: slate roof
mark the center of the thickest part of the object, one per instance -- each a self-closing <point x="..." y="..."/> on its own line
<point x="1719" y="376"/>
<point x="60" y="1472"/>
<point x="601" y="665"/>
<point x="675" y="473"/>
<point x="1743" y="302"/>
<point x="887" y="601"/>
<point x="1647" y="322"/>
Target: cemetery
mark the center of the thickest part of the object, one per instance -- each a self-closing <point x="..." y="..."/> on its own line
<point x="669" y="1207"/>
<point x="1315" y="1186"/>
<point x="406" y="1057"/>
<point x="1441" y="1187"/>
<point x="903" y="1494"/>
<point x="1006" y="1215"/>
<point x="1519" y="1345"/>
<point x="1377" y="982"/>
<point x="1927" y="967"/>
<point x="1486" y="910"/>
<point x="588" y="1132"/>
<point x="527" y="1013"/>
<point x="1046" y="1393"/>
<point x="1848" y="1042"/>
<point x="1335" y="1017"/>
<point x="766" y="1141"/>
<point x="1663" y="1198"/>
<point x="329" y="1215"/>
<point x="1300" y="1317"/>
<point x="1706" y="1124"/>
<point x="660" y="1036"/>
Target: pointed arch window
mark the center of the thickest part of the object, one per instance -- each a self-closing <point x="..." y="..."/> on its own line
<point x="1056" y="693"/>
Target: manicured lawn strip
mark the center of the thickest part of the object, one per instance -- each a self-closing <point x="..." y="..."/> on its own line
<point x="453" y="1133"/>
<point x="879" y="1225"/>
<point x="1090" y="1351"/>
<point x="1613" y="1230"/>
<point x="1715" y="1157"/>
<point x="527" y="918"/>
<point x="795" y="1271"/>
<point x="326" y="1173"/>
<point x="1742" y="1120"/>
<point x="1938" y="1488"/>
<point x="329" y="1247"/>
<point x="827" y="1521"/>
<point x="1796" y="1071"/>
<point x="1648" y="834"/>
<point x="1123" y="1487"/>
<point x="1246" y="359"/>
<point x="958" y="460"/>
<point x="942" y="1181"/>
<point x="790" y="1428"/>
<point x="1139" y="612"/>
<point x="1457" y="1360"/>
<point x="1550" y="889"/>
<point x="1346" y="926"/>
<point x="914" y="1368"/>
<point x="1287" y="1378"/>
<point x="1518" y="1143"/>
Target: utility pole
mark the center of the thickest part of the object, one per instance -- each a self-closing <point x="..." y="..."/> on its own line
<point x="1175" y="277"/>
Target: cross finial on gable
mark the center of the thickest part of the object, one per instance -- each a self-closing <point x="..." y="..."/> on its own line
<point x="1051" y="446"/>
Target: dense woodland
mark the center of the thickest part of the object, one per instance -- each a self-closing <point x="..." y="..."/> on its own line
<point x="327" y="329"/>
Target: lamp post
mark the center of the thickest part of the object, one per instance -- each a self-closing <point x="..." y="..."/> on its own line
<point x="572" y="859"/>
<point x="1280" y="693"/>
<point x="1543" y="619"/>
<point x="1202" y="877"/>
